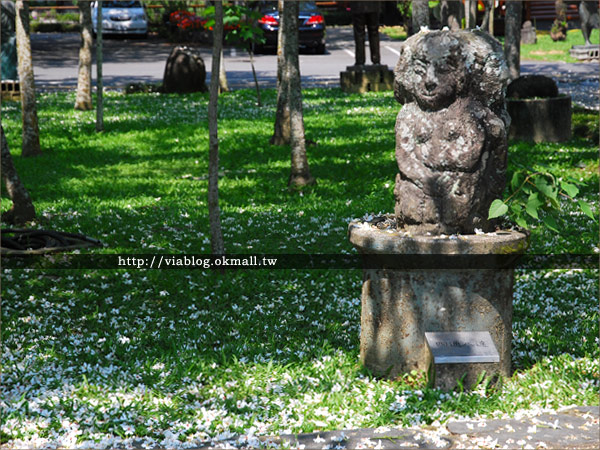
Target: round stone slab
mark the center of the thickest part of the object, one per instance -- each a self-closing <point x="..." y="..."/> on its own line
<point x="369" y="239"/>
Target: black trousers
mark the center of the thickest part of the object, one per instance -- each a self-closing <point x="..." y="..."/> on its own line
<point x="371" y="20"/>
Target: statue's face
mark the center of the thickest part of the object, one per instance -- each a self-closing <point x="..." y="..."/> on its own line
<point x="436" y="82"/>
<point x="435" y="74"/>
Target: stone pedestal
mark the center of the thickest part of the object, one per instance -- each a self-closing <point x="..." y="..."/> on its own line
<point x="540" y="119"/>
<point x="361" y="79"/>
<point x="399" y="306"/>
<point x="585" y="52"/>
<point x="11" y="90"/>
<point x="528" y="35"/>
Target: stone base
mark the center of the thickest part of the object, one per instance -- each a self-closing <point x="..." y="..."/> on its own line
<point x="540" y="119"/>
<point x="361" y="79"/>
<point x="585" y="52"/>
<point x="399" y="306"/>
<point x="11" y="90"/>
<point x="446" y="376"/>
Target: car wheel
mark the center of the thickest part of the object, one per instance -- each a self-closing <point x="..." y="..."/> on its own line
<point x="320" y="49"/>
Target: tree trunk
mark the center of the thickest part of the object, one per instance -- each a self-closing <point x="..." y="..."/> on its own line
<point x="512" y="37"/>
<point x="22" y="209"/>
<point x="31" y="131"/>
<point x="223" y="84"/>
<point x="214" y="213"/>
<point x="99" y="85"/>
<point x="487" y="24"/>
<point x="256" y="85"/>
<point x="84" y="80"/>
<point x="420" y="15"/>
<point x="281" y="134"/>
<point x="450" y="13"/>
<point x="470" y="14"/>
<point x="300" y="174"/>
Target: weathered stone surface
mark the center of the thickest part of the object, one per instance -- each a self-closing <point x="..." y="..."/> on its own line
<point x="585" y="52"/>
<point x="451" y="133"/>
<point x="361" y="78"/>
<point x="532" y="86"/>
<point x="399" y="306"/>
<point x="575" y="428"/>
<point x="528" y="35"/>
<point x="185" y="72"/>
<point x="540" y="119"/>
<point x="380" y="438"/>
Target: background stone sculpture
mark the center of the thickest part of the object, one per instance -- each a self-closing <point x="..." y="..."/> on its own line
<point x="588" y="12"/>
<point x="451" y="133"/>
<point x="184" y="72"/>
<point x="366" y="13"/>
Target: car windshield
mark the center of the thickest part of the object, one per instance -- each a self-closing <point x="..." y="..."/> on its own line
<point x="121" y="4"/>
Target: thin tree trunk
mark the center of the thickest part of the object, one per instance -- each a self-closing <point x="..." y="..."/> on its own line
<point x="420" y="15"/>
<point x="470" y="14"/>
<point x="99" y="85"/>
<point x="251" y="53"/>
<point x="83" y="100"/>
<point x="492" y="8"/>
<point x="31" y="131"/>
<point x="487" y="24"/>
<point x="512" y="37"/>
<point x="214" y="213"/>
<point x="450" y="14"/>
<point x="223" y="84"/>
<point x="22" y="209"/>
<point x="281" y="134"/>
<point x="300" y="174"/>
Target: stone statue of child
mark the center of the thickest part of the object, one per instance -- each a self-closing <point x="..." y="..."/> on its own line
<point x="451" y="132"/>
<point x="8" y="41"/>
<point x="588" y="13"/>
<point x="366" y="13"/>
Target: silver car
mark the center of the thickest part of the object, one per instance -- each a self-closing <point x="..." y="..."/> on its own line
<point x="121" y="17"/>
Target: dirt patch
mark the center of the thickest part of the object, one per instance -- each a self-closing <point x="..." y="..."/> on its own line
<point x="549" y="52"/>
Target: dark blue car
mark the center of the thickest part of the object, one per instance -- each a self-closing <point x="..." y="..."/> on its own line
<point x="311" y="27"/>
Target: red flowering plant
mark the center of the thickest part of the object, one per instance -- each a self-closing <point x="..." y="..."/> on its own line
<point x="186" y="20"/>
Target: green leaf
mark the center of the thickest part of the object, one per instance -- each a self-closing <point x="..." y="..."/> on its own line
<point x="549" y="190"/>
<point x="516" y="208"/>
<point x="230" y="19"/>
<point x="550" y="222"/>
<point x="497" y="208"/>
<point x="516" y="181"/>
<point x="522" y="222"/>
<point x="533" y="204"/>
<point x="569" y="188"/>
<point x="587" y="209"/>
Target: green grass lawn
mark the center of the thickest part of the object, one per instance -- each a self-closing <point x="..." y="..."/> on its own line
<point x="97" y="357"/>
<point x="545" y="49"/>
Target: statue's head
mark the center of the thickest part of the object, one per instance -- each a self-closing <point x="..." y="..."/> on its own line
<point x="437" y="67"/>
<point x="431" y="71"/>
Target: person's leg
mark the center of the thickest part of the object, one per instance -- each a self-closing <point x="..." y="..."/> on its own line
<point x="358" y="21"/>
<point x="373" y="29"/>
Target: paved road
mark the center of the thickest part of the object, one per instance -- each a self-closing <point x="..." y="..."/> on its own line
<point x="126" y="61"/>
